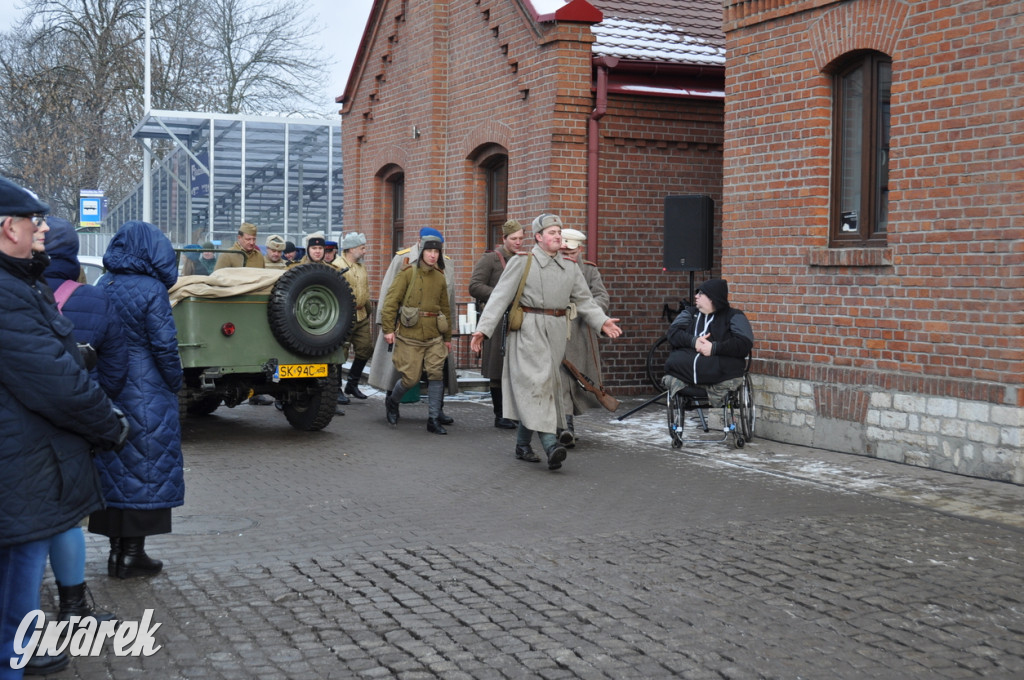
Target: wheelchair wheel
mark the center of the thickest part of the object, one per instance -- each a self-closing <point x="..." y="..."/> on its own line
<point x="656" y="358"/>
<point x="676" y="419"/>
<point x="747" y="409"/>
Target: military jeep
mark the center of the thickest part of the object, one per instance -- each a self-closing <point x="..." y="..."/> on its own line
<point x="244" y="332"/>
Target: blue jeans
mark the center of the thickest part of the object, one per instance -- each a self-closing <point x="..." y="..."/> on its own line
<point x="21" y="576"/>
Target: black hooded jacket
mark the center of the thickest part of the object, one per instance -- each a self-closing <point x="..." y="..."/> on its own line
<point x="731" y="336"/>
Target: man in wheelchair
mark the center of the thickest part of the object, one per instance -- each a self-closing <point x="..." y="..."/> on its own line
<point x="710" y="344"/>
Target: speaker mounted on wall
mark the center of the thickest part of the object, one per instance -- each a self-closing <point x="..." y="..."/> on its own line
<point x="689" y="233"/>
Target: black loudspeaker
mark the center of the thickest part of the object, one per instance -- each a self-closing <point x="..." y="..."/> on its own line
<point x="689" y="233"/>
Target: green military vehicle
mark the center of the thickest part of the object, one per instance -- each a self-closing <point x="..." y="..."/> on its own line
<point x="244" y="332"/>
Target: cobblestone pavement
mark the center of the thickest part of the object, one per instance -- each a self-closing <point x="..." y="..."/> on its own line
<point x="366" y="551"/>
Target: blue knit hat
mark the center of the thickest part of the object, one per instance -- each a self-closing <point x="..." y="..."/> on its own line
<point x="430" y="231"/>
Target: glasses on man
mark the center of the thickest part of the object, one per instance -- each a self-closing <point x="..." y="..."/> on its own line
<point x="37" y="220"/>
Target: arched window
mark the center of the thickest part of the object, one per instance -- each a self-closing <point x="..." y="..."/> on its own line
<point x="396" y="184"/>
<point x="496" y="182"/>
<point x="862" y="87"/>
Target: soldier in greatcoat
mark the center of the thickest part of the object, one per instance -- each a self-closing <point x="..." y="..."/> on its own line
<point x="486" y="273"/>
<point x="416" y="318"/>
<point x="582" y="348"/>
<point x="531" y="379"/>
<point x="382" y="372"/>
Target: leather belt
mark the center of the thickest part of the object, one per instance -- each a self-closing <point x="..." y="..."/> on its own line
<point x="540" y="310"/>
<point x="430" y="313"/>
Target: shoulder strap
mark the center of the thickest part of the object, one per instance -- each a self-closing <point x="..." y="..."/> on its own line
<point x="522" y="283"/>
<point x="412" y="280"/>
<point x="501" y="258"/>
<point x="63" y="292"/>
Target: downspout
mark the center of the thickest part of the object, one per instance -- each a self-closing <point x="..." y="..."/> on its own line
<point x="594" y="150"/>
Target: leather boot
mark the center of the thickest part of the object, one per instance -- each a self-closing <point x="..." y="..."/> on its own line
<point x="525" y="452"/>
<point x="435" y="395"/>
<point x="75" y="601"/>
<point x="391" y="404"/>
<point x="355" y="372"/>
<point x="114" y="556"/>
<point x="500" y="421"/>
<point x="134" y="561"/>
<point x="342" y="399"/>
<point x="44" y="665"/>
<point x="556" y="454"/>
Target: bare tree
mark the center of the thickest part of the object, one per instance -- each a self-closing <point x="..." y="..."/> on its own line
<point x="264" y="57"/>
<point x="72" y="74"/>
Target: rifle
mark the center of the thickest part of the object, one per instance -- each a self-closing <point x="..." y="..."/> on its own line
<point x="607" y="400"/>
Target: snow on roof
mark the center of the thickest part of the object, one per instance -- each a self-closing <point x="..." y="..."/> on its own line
<point x="653" y="41"/>
<point x="673" y="31"/>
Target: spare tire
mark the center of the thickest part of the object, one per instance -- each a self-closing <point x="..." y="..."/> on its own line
<point x="311" y="309"/>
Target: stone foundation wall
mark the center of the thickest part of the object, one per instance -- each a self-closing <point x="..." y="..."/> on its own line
<point x="967" y="437"/>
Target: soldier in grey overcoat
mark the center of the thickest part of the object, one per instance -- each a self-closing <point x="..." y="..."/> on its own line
<point x="531" y="379"/>
<point x="582" y="348"/>
<point x="485" y="276"/>
<point x="382" y="371"/>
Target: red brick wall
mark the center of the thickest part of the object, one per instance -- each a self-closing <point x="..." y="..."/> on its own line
<point x="942" y="310"/>
<point x="468" y="75"/>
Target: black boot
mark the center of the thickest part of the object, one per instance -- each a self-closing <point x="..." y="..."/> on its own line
<point x="572" y="432"/>
<point x="391" y="401"/>
<point x="435" y="394"/>
<point x="114" y="556"/>
<point x="355" y="372"/>
<point x="525" y="452"/>
<point x="556" y="454"/>
<point x="75" y="601"/>
<point x="500" y="421"/>
<point x="134" y="561"/>
<point x="44" y="665"/>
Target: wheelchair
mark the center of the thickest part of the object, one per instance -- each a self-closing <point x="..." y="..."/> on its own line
<point x="734" y="396"/>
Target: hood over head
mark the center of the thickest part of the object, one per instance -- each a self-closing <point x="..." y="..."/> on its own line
<point x="141" y="248"/>
<point x="62" y="247"/>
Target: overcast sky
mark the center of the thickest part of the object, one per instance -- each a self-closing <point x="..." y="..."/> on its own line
<point x="342" y="23"/>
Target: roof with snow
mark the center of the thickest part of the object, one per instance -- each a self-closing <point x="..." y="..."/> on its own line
<point x="666" y="31"/>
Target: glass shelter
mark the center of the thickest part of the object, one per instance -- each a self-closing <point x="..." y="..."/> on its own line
<point x="211" y="172"/>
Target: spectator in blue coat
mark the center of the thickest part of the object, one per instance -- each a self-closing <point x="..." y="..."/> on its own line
<point x="96" y="324"/>
<point x="144" y="481"/>
<point x="52" y="415"/>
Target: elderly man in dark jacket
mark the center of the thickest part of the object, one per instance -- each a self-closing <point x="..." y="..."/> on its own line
<point x="52" y="415"/>
<point x="143" y="482"/>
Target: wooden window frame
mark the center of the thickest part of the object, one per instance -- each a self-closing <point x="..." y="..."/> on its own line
<point x="860" y="151"/>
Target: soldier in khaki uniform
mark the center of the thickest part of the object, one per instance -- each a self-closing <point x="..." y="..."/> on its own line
<point x="245" y="243"/>
<point x="275" y="253"/>
<point x="353" y="249"/>
<point x="422" y="338"/>
<point x="486" y="273"/>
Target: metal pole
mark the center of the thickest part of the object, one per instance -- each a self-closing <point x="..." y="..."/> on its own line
<point x="147" y="154"/>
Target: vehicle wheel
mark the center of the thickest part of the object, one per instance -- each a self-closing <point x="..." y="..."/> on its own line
<point x="747" y="410"/>
<point x="676" y="419"/>
<point x="656" y="358"/>
<point x="313" y="409"/>
<point x="311" y="309"/>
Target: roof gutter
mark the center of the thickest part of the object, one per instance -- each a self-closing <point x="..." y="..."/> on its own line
<point x="594" y="151"/>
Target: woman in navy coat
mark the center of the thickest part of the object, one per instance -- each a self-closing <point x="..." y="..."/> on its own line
<point x="146" y="479"/>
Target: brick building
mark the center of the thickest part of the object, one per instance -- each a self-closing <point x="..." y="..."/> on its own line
<point x="868" y="215"/>
<point x="460" y="115"/>
<point x="873" y="216"/>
